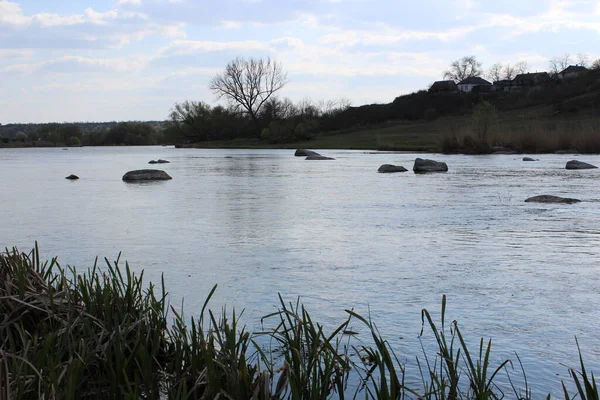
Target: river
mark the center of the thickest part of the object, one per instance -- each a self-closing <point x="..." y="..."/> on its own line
<point x="339" y="235"/>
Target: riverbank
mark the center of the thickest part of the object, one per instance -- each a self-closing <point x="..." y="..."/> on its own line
<point x="533" y="132"/>
<point x="105" y="332"/>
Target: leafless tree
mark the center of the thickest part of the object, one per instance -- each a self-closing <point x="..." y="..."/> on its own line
<point x="521" y="67"/>
<point x="509" y="72"/>
<point x="466" y="67"/>
<point x="565" y="60"/>
<point x="596" y="64"/>
<point x="248" y="84"/>
<point x="554" y="66"/>
<point x="583" y="59"/>
<point x="495" y="72"/>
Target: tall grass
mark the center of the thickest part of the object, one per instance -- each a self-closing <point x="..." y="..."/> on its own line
<point x="537" y="136"/>
<point x="105" y="333"/>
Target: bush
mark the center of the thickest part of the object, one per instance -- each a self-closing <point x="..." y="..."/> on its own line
<point x="484" y="119"/>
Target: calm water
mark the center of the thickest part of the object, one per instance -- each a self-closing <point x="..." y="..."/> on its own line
<point x="338" y="234"/>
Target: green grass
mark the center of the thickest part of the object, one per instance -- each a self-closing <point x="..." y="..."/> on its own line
<point x="105" y="333"/>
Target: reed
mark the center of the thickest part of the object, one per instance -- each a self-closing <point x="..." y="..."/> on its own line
<point x="104" y="333"/>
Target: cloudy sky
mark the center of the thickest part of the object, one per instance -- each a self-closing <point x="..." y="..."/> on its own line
<point x="106" y="60"/>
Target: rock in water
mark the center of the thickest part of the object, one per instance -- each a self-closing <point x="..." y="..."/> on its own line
<point x="152" y="162"/>
<point x="546" y="198"/>
<point x="424" y="165"/>
<point x="146" y="175"/>
<point x="529" y="159"/>
<point x="72" y="177"/>
<point x="305" y="153"/>
<point x="161" y="161"/>
<point x="575" y="164"/>
<point x="319" y="158"/>
<point x="386" y="168"/>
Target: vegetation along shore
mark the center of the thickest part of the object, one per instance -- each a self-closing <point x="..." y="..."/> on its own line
<point x="521" y="111"/>
<point x="105" y="333"/>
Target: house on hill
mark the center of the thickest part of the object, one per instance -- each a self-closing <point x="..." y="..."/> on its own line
<point x="531" y="79"/>
<point x="467" y="85"/>
<point x="443" y="86"/>
<point x="504" y="85"/>
<point x="572" y="71"/>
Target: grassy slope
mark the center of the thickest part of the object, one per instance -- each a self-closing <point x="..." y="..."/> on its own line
<point x="566" y="110"/>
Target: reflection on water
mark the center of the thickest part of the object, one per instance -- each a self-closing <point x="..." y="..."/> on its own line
<point x="259" y="222"/>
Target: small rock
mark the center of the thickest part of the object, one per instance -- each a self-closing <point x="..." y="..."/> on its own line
<point x="72" y="177"/>
<point x="305" y="153"/>
<point x="424" y="165"/>
<point x="161" y="161"/>
<point x="529" y="159"/>
<point x="319" y="157"/>
<point x="546" y="198"/>
<point x="152" y="162"/>
<point x="575" y="164"/>
<point x="387" y="168"/>
<point x="146" y="175"/>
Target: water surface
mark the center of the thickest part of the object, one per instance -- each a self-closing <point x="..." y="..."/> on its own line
<point x="338" y="234"/>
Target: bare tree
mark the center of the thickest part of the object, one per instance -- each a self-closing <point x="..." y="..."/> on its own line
<point x="466" y="67"/>
<point x="554" y="66"/>
<point x="521" y="67"/>
<point x="509" y="72"/>
<point x="596" y="64"/>
<point x="565" y="60"/>
<point x="248" y="84"/>
<point x="583" y="59"/>
<point x="495" y="72"/>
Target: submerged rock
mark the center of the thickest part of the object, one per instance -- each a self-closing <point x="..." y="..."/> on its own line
<point x="529" y="159"/>
<point x="575" y="164"/>
<point x="72" y="177"/>
<point x="424" y="165"/>
<point x="305" y="153"/>
<point x="319" y="157"/>
<point x="546" y="198"/>
<point x="388" y="168"/>
<point x="146" y="175"/>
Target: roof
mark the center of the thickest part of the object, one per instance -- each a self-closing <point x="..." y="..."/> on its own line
<point x="441" y="85"/>
<point x="532" y="75"/>
<point x="474" y="80"/>
<point x="573" y="68"/>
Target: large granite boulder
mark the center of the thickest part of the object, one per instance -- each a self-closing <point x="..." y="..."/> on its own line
<point x="575" y="164"/>
<point x="72" y="177"/>
<point x="546" y="198"/>
<point x="319" y="157"/>
<point x="424" y="165"/>
<point x="141" y="175"/>
<point x="305" y="153"/>
<point x="388" y="168"/>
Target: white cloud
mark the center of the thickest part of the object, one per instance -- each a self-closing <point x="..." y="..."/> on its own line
<point x="11" y="14"/>
<point x="71" y="64"/>
<point x="136" y="2"/>
<point x="179" y="47"/>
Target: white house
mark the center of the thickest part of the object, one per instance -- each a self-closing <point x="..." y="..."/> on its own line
<point x="467" y="85"/>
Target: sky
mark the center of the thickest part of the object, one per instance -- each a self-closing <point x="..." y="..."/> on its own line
<point x="126" y="60"/>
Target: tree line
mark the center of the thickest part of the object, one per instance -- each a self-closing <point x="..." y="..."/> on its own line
<point x="253" y="110"/>
<point x="469" y="66"/>
<point x="72" y="134"/>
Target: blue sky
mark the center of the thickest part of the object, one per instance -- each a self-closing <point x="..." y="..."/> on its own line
<point x="93" y="60"/>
